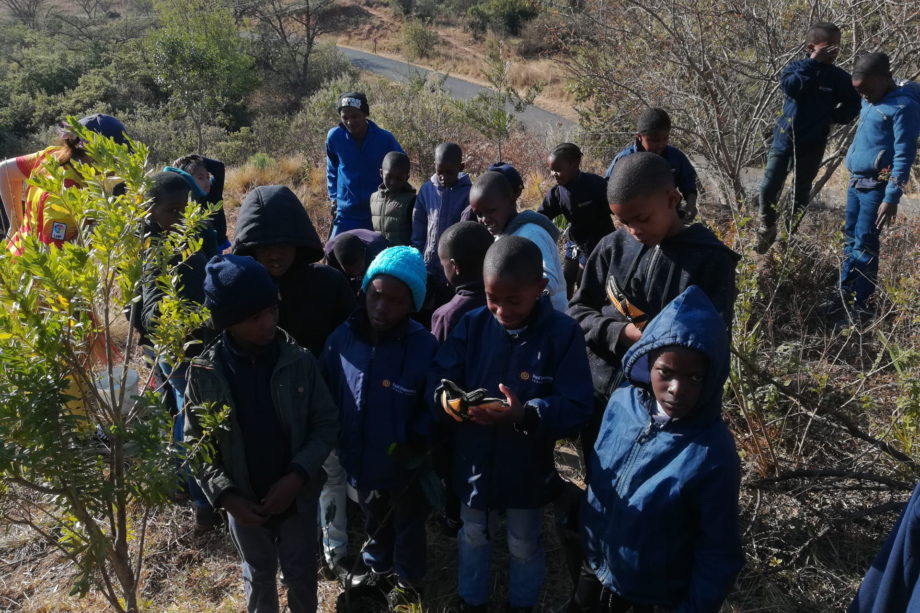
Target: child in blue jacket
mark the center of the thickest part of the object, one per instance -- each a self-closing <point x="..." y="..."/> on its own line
<point x="660" y="524"/>
<point x="818" y="94"/>
<point x="519" y="349"/>
<point x="354" y="156"/>
<point x="376" y="365"/>
<point x="879" y="161"/>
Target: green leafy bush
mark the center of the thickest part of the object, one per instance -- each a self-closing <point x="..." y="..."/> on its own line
<point x="501" y="16"/>
<point x="419" y="39"/>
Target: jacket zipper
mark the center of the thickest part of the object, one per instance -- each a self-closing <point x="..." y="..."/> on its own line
<point x="647" y="434"/>
<point x="362" y="409"/>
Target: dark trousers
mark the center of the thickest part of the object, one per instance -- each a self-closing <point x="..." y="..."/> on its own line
<point x="572" y="270"/>
<point x="592" y="597"/>
<point x="804" y="161"/>
<point x="395" y="524"/>
<point x="289" y="541"/>
<point x="861" y="243"/>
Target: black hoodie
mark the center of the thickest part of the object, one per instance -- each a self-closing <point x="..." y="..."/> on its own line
<point x="315" y="298"/>
<point x="649" y="277"/>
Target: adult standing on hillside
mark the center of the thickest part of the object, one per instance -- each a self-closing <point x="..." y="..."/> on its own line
<point x="29" y="215"/>
<point x="354" y="156"/>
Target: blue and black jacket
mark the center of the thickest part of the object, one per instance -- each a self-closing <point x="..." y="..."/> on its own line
<point x="660" y="523"/>
<point x="545" y="365"/>
<point x="379" y="389"/>
<point x="685" y="179"/>
<point x="817" y="95"/>
<point x="353" y="173"/>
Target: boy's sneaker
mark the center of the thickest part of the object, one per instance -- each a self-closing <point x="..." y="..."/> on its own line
<point x="766" y="235"/>
<point x="404" y="598"/>
<point x="351" y="571"/>
<point x="206" y="519"/>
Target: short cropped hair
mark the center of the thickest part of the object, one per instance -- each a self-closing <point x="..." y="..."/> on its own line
<point x="821" y="31"/>
<point x="349" y="250"/>
<point x="189" y="162"/>
<point x="492" y="183"/>
<point x="466" y="243"/>
<point x="637" y="175"/>
<point x="514" y="258"/>
<point x="653" y="120"/>
<point x="449" y="152"/>
<point x="566" y="151"/>
<point x="397" y="160"/>
<point x="167" y="187"/>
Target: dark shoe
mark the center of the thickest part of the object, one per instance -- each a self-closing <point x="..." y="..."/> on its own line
<point x="206" y="519"/>
<point x="449" y="526"/>
<point x="854" y="316"/>
<point x="765" y="237"/>
<point x="465" y="607"/>
<point x="510" y="609"/>
<point x="831" y="307"/>
<point x="404" y="598"/>
<point x="351" y="571"/>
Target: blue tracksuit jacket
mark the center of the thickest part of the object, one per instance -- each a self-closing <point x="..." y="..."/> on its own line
<point x="545" y="365"/>
<point x="817" y="95"/>
<point x="353" y="173"/>
<point x="436" y="209"/>
<point x="379" y="390"/>
<point x="684" y="173"/>
<point x="886" y="139"/>
<point x="660" y="524"/>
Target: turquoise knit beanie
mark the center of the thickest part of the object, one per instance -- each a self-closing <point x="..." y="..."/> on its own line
<point x="404" y="263"/>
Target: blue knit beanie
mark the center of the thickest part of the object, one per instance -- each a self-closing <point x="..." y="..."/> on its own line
<point x="510" y="172"/>
<point x="237" y="287"/>
<point x="404" y="263"/>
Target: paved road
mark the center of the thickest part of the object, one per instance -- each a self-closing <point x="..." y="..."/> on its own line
<point x="533" y="118"/>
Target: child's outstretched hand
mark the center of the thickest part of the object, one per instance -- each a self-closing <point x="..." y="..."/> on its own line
<point x="282" y="494"/>
<point x="511" y="411"/>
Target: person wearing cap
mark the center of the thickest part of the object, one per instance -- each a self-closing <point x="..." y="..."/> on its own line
<point x="817" y="94"/>
<point x="653" y="134"/>
<point x="879" y="161"/>
<point x="354" y="156"/>
<point x="28" y="214"/>
<point x="376" y="365"/>
<point x="265" y="469"/>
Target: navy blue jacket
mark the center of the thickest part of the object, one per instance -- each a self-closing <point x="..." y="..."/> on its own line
<point x="353" y="172"/>
<point x="685" y="178"/>
<point x="583" y="202"/>
<point x="468" y="297"/>
<point x="501" y="466"/>
<point x="660" y="524"/>
<point x="379" y="390"/>
<point x="892" y="582"/>
<point x="817" y="95"/>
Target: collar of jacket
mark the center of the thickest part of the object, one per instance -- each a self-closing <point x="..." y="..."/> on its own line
<point x="471" y="288"/>
<point x="288" y="352"/>
<point x="361" y="325"/>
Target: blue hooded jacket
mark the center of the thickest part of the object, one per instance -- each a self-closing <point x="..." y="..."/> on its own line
<point x="503" y="466"/>
<point x="685" y="178"/>
<point x="660" y="523"/>
<point x="893" y="581"/>
<point x="817" y="95"/>
<point x="436" y="209"/>
<point x="886" y="138"/>
<point x="379" y="390"/>
<point x="353" y="172"/>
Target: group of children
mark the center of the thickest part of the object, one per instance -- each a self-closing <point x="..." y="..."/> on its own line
<point x="445" y="329"/>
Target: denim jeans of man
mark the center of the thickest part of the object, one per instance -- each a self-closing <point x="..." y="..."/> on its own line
<point x="176" y="382"/>
<point x="861" y="243"/>
<point x="804" y="161"/>
<point x="333" y="517"/>
<point x="288" y="541"/>
<point x="394" y="521"/>
<point x="525" y="546"/>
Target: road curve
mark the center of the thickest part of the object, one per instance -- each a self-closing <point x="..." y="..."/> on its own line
<point x="533" y="118"/>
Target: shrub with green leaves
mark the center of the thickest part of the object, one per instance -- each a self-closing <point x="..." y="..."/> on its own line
<point x="82" y="466"/>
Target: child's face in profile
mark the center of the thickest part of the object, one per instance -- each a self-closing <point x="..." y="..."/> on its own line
<point x="202" y="178"/>
<point x="394" y="179"/>
<point x="389" y="302"/>
<point x="447" y="171"/>
<point x="510" y="301"/>
<point x="654" y="142"/>
<point x="677" y="376"/>
<point x="871" y="87"/>
<point x="168" y="213"/>
<point x="651" y="217"/>
<point x="451" y="272"/>
<point x="562" y="170"/>
<point x="492" y="211"/>
<point x="277" y="259"/>
<point x="257" y="330"/>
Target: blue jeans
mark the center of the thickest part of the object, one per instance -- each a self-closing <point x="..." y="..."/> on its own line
<point x="288" y="540"/>
<point x="861" y="245"/>
<point x="525" y="544"/>
<point x="394" y="521"/>
<point x="804" y="161"/>
<point x="176" y="382"/>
